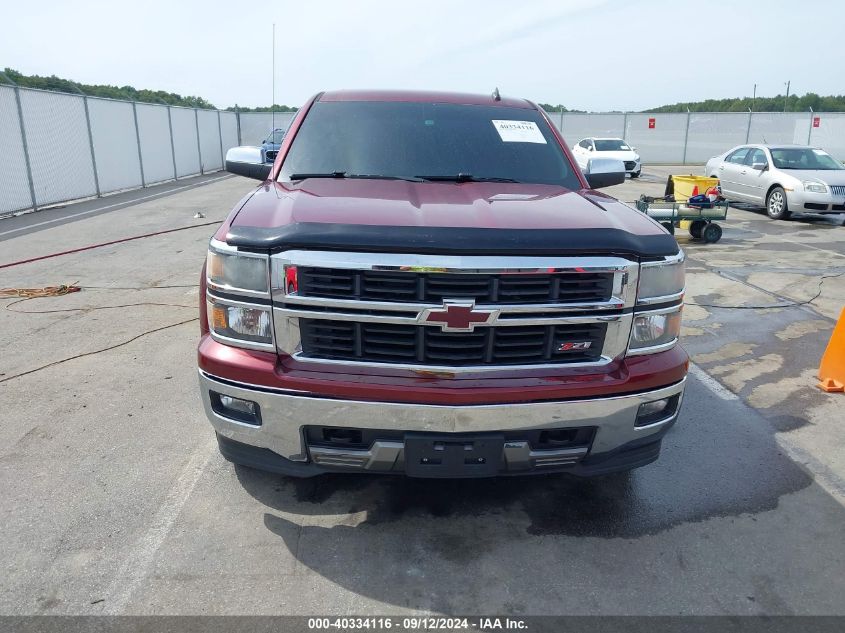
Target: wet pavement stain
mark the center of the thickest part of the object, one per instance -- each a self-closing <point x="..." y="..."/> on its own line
<point x="719" y="461"/>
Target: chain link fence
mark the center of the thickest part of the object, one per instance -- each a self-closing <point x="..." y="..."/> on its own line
<point x="56" y="147"/>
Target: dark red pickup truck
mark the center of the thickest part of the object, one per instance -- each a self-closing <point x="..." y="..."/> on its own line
<point x="426" y="284"/>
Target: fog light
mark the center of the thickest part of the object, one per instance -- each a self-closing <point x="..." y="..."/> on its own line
<point x="236" y="404"/>
<point x="656" y="411"/>
<point x="236" y="408"/>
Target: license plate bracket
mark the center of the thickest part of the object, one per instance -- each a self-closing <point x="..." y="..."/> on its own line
<point x="453" y="456"/>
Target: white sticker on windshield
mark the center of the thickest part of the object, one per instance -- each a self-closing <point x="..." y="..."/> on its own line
<point x="519" y="131"/>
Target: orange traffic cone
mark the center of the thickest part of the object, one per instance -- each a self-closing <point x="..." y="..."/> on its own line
<point x="832" y="367"/>
<point x="694" y="191"/>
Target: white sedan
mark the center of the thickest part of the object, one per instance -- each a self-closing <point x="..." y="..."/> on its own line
<point x="593" y="147"/>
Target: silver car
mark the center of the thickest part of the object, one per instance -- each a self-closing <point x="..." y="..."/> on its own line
<point x="783" y="178"/>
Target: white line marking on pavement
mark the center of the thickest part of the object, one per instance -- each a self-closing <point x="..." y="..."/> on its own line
<point x="111" y="206"/>
<point x="711" y="383"/>
<point x="823" y="474"/>
<point x="135" y="568"/>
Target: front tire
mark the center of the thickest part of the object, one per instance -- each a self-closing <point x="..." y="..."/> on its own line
<point x="635" y="174"/>
<point x="776" y="205"/>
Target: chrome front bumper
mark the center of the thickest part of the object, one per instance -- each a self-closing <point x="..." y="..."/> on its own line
<point x="284" y="413"/>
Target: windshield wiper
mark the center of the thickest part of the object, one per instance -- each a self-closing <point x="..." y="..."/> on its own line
<point x="344" y="174"/>
<point x="386" y="177"/>
<point x="466" y="178"/>
<point x="329" y="174"/>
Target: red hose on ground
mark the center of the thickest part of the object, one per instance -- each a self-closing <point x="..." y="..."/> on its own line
<point x="88" y="248"/>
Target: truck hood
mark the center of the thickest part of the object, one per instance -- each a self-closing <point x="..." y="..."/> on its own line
<point x="279" y="214"/>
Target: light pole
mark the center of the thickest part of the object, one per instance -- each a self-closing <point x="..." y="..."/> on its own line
<point x="273" y="102"/>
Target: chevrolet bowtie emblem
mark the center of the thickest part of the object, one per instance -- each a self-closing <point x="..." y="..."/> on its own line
<point x="457" y="316"/>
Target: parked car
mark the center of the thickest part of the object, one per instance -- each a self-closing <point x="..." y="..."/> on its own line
<point x="783" y="178"/>
<point x="437" y="290"/>
<point x="270" y="145"/>
<point x="591" y="147"/>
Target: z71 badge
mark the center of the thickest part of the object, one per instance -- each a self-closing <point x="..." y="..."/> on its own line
<point x="566" y="347"/>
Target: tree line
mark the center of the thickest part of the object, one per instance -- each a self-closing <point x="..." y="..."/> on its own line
<point x="778" y="103"/>
<point x="128" y="93"/>
<point x="795" y="103"/>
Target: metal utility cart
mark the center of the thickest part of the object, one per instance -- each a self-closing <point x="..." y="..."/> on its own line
<point x="698" y="219"/>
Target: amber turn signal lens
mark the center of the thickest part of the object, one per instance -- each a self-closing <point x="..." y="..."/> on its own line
<point x="218" y="315"/>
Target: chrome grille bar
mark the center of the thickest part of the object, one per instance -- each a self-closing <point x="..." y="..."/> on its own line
<point x="613" y="313"/>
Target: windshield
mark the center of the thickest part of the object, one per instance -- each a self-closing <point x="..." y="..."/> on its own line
<point x="422" y="140"/>
<point x="276" y="137"/>
<point x="611" y="145"/>
<point x="803" y="158"/>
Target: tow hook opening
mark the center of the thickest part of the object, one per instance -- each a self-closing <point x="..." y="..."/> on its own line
<point x="343" y="437"/>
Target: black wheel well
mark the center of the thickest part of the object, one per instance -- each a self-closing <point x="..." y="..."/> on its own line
<point x="769" y="190"/>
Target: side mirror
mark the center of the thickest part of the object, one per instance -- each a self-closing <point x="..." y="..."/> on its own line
<point x="247" y="161"/>
<point x="633" y="149"/>
<point x="590" y="148"/>
<point x="604" y="172"/>
<point x="760" y="166"/>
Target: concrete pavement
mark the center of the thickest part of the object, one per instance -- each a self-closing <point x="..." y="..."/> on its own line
<point x="116" y="501"/>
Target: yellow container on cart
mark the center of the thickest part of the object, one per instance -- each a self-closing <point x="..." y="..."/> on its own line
<point x="682" y="186"/>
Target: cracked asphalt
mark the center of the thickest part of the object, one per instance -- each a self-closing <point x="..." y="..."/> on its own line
<point x="115" y="500"/>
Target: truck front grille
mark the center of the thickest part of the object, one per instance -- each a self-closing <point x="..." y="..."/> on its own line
<point x="424" y="345"/>
<point x="461" y="314"/>
<point x="490" y="289"/>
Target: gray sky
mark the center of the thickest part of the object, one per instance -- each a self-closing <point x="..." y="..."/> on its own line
<point x="586" y="54"/>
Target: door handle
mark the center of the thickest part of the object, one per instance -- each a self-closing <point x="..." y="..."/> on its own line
<point x="742" y="172"/>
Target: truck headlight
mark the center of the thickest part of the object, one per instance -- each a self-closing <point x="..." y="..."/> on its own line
<point x="815" y="187"/>
<point x="661" y="281"/>
<point x="655" y="330"/>
<point x="238" y="297"/>
<point x="240" y="322"/>
<point x="238" y="271"/>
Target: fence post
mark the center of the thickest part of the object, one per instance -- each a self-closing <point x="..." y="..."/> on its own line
<point x="748" y="129"/>
<point x="624" y="125"/>
<point x="91" y="145"/>
<point x="686" y="139"/>
<point x="220" y="138"/>
<point x="199" y="147"/>
<point x="138" y="140"/>
<point x="172" y="144"/>
<point x="810" y="131"/>
<point x="238" y="118"/>
<point x="25" y="148"/>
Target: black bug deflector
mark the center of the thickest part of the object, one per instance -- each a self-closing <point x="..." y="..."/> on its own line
<point x="451" y="240"/>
